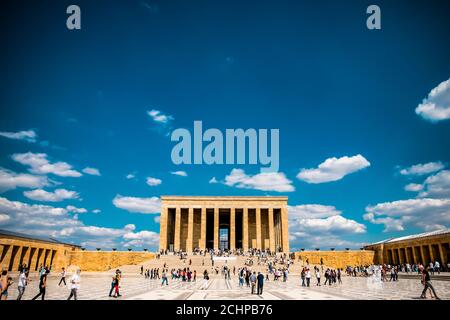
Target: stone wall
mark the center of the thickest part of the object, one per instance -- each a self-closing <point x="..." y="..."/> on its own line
<point x="337" y="259"/>
<point x="106" y="260"/>
<point x="16" y="251"/>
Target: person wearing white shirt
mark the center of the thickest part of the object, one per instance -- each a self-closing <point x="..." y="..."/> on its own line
<point x="74" y="285"/>
<point x="22" y="283"/>
<point x="63" y="277"/>
<point x="437" y="267"/>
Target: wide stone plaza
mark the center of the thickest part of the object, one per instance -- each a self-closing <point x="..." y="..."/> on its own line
<point x="96" y="286"/>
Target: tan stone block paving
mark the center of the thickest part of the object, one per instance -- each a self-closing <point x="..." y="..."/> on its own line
<point x="96" y="286"/>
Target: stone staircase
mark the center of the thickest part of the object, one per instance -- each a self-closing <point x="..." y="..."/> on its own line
<point x="201" y="263"/>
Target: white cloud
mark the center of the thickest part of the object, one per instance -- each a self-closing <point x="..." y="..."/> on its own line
<point x="413" y="187"/>
<point x="27" y="135"/>
<point x="4" y="218"/>
<point x="91" y="171"/>
<point x="130" y="176"/>
<point x="333" y="169"/>
<point x="96" y="211"/>
<point x="157" y="219"/>
<point x="310" y="211"/>
<point x="153" y="181"/>
<point x="140" y="205"/>
<point x="268" y="181"/>
<point x="39" y="164"/>
<point x="425" y="213"/>
<point x="316" y="226"/>
<point x="10" y="180"/>
<point x="422" y="169"/>
<point x="436" y="106"/>
<point x="55" y="196"/>
<point x="179" y="173"/>
<point x="213" y="180"/>
<point x="437" y="186"/>
<point x="141" y="239"/>
<point x="48" y="221"/>
<point x="159" y="117"/>
<point x="74" y="209"/>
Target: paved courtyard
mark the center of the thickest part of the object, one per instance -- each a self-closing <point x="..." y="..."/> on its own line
<point x="96" y="286"/>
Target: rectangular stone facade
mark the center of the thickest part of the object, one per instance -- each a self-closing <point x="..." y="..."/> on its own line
<point x="200" y="222"/>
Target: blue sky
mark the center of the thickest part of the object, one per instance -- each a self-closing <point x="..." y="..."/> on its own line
<point x="374" y="103"/>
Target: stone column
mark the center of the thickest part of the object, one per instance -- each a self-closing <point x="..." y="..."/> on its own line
<point x="15" y="266"/>
<point x="271" y="230"/>
<point x="284" y="230"/>
<point x="190" y="235"/>
<point x="442" y="255"/>
<point x="422" y="256"/>
<point x="163" y="229"/>
<point x="245" y="229"/>
<point x="26" y="257"/>
<point x="6" y="252"/>
<point x="415" y="260"/>
<point x="34" y="258"/>
<point x="203" y="230"/>
<point x="432" y="258"/>
<point x="258" y="228"/>
<point x="400" y="258"/>
<point x="232" y="228"/>
<point x="176" y="245"/>
<point x="216" y="228"/>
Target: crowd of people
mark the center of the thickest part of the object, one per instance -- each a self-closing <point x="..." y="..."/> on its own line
<point x="24" y="279"/>
<point x="259" y="266"/>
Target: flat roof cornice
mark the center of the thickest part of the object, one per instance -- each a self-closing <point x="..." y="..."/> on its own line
<point x="224" y="198"/>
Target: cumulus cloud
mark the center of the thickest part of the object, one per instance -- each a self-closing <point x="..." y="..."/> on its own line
<point x="213" y="180"/>
<point x="316" y="211"/>
<point x="27" y="135"/>
<point x="139" y="205"/>
<point x="74" y="209"/>
<point x="91" y="171"/>
<point x="179" y="173"/>
<point x="10" y="180"/>
<point x="130" y="176"/>
<point x="39" y="164"/>
<point x="413" y="187"/>
<point x="436" y="107"/>
<point x="437" y="186"/>
<point x="141" y="239"/>
<point x="333" y="169"/>
<point x="422" y="169"/>
<point x="153" y="181"/>
<point x="96" y="211"/>
<point x="55" y="222"/>
<point x="316" y="226"/>
<point x="267" y="181"/>
<point x="55" y="196"/>
<point x="159" y="117"/>
<point x="425" y="213"/>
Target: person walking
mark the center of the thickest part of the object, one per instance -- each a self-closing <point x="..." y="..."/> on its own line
<point x="5" y="283"/>
<point x="23" y="281"/>
<point x="427" y="285"/>
<point x="164" y="278"/>
<point x="308" y="277"/>
<point x="260" y="283"/>
<point x="74" y="285"/>
<point x="303" y="276"/>
<point x="63" y="277"/>
<point x="42" y="285"/>
<point x="253" y="282"/>
<point x="318" y="276"/>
